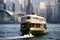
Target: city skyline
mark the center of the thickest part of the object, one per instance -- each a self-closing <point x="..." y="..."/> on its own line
<point x="21" y="2"/>
<point x="46" y="8"/>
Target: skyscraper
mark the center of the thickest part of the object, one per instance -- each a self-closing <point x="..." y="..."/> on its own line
<point x="21" y="7"/>
<point x="42" y="9"/>
<point x="55" y="12"/>
<point x="29" y="7"/>
<point x="24" y="1"/>
<point x="50" y="10"/>
<point x="13" y="7"/>
<point x="58" y="2"/>
<point x="21" y="4"/>
<point x="2" y="4"/>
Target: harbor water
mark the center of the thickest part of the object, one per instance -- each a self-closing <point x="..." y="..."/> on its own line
<point x="13" y="30"/>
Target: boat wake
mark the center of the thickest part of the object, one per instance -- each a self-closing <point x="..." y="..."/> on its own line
<point x="25" y="36"/>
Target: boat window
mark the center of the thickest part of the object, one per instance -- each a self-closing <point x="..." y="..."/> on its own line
<point x="32" y="25"/>
<point x="43" y="25"/>
<point x="37" y="25"/>
<point x="28" y="17"/>
<point x="41" y="19"/>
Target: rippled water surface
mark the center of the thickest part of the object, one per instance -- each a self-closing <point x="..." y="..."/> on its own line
<point x="13" y="30"/>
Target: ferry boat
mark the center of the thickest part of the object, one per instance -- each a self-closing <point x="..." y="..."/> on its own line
<point x="33" y="24"/>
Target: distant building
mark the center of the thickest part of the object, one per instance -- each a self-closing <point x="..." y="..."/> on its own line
<point x="49" y="13"/>
<point x="21" y="7"/>
<point x="18" y="16"/>
<point x="29" y="7"/>
<point x="37" y="9"/>
<point x="5" y="16"/>
<point x="13" y="7"/>
<point x="55" y="11"/>
<point x="2" y="5"/>
<point x="42" y="9"/>
<point x="58" y="3"/>
<point x="51" y="10"/>
<point x="24" y="5"/>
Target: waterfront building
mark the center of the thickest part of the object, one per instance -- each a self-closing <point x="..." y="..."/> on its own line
<point x="2" y="4"/>
<point x="5" y="16"/>
<point x="58" y="4"/>
<point x="51" y="6"/>
<point x="53" y="11"/>
<point x="18" y="16"/>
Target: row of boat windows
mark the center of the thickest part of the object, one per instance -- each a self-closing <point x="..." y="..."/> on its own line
<point x="35" y="25"/>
